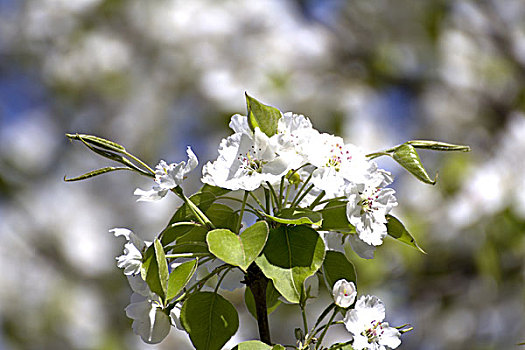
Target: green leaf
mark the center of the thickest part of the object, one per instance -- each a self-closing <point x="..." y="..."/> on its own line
<point x="222" y="216"/>
<point x="408" y="158"/>
<point x="262" y="116"/>
<point x="194" y="241"/>
<point x="95" y="173"/>
<point x="178" y="229"/>
<point x="278" y="347"/>
<point x="438" y="146"/>
<point x="239" y="250"/>
<point x="297" y="216"/>
<point x="272" y="299"/>
<point x="334" y="217"/>
<point x="291" y="255"/>
<point x="209" y="319"/>
<point x="163" y="266"/>
<point x="179" y="277"/>
<point x="98" y="142"/>
<point x="335" y="267"/>
<point x="397" y="230"/>
<point x="215" y="190"/>
<point x="155" y="269"/>
<point x="252" y="345"/>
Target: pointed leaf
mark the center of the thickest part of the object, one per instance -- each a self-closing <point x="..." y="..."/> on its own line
<point x="397" y="230"/>
<point x="252" y="345"/>
<point x="408" y="158"/>
<point x="178" y="229"/>
<point x="297" y="216"/>
<point x="336" y="266"/>
<point x="95" y="173"/>
<point x="278" y="347"/>
<point x="162" y="264"/>
<point x="291" y="255"/>
<point x="179" y="277"/>
<point x="262" y="116"/>
<point x="237" y="250"/>
<point x="98" y="141"/>
<point x="272" y="299"/>
<point x="209" y="319"/>
<point x="438" y="146"/>
<point x="155" y="274"/>
<point x="334" y="217"/>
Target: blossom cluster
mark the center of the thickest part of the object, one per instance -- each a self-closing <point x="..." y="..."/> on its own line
<point x="251" y="159"/>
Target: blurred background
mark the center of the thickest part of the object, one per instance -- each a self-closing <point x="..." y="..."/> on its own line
<point x="157" y="76"/>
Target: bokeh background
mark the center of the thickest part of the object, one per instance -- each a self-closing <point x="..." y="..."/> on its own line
<point x="159" y="75"/>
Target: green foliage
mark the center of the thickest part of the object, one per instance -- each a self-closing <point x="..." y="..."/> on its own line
<point x="209" y="319"/>
<point x="438" y="146"/>
<point x="179" y="277"/>
<point x="272" y="299"/>
<point x="336" y="266"/>
<point x="408" y="158"/>
<point x="222" y="216"/>
<point x="95" y="173"/>
<point x="397" y="230"/>
<point x="262" y="116"/>
<point x="155" y="269"/>
<point x="238" y="250"/>
<point x="291" y="254"/>
<point x="334" y="217"/>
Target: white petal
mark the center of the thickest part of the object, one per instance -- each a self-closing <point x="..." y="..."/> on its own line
<point x="239" y="124"/>
<point x="390" y="336"/>
<point x="155" y="194"/>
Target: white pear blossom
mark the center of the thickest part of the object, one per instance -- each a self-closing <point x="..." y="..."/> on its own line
<point x="131" y="260"/>
<point x="365" y="322"/>
<point x="150" y="320"/>
<point x="368" y="205"/>
<point x="168" y="177"/>
<point x="344" y="293"/>
<point x="246" y="160"/>
<point x="338" y="165"/>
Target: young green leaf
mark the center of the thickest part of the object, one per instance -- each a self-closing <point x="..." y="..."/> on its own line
<point x="297" y="216"/>
<point x="397" y="230"/>
<point x="209" y="319"/>
<point x="336" y="266"/>
<point x="272" y="299"/>
<point x="291" y="255"/>
<point x="408" y="158"/>
<point x="179" y="277"/>
<point x="239" y="250"/>
<point x="334" y="217"/>
<point x="262" y="116"/>
<point x="155" y="269"/>
<point x="438" y="146"/>
<point x="98" y="142"/>
<point x="95" y="173"/>
<point x="194" y="241"/>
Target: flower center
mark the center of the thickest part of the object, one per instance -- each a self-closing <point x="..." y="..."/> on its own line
<point x="374" y="332"/>
<point x="368" y="199"/>
<point x="251" y="164"/>
<point x="337" y="156"/>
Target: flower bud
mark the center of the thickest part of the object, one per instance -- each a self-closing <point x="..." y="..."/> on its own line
<point x="344" y="293"/>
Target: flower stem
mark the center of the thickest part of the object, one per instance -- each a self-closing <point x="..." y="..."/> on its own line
<point x="203" y="219"/>
<point x="241" y="214"/>
<point x="320" y="340"/>
<point x="274" y="196"/>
